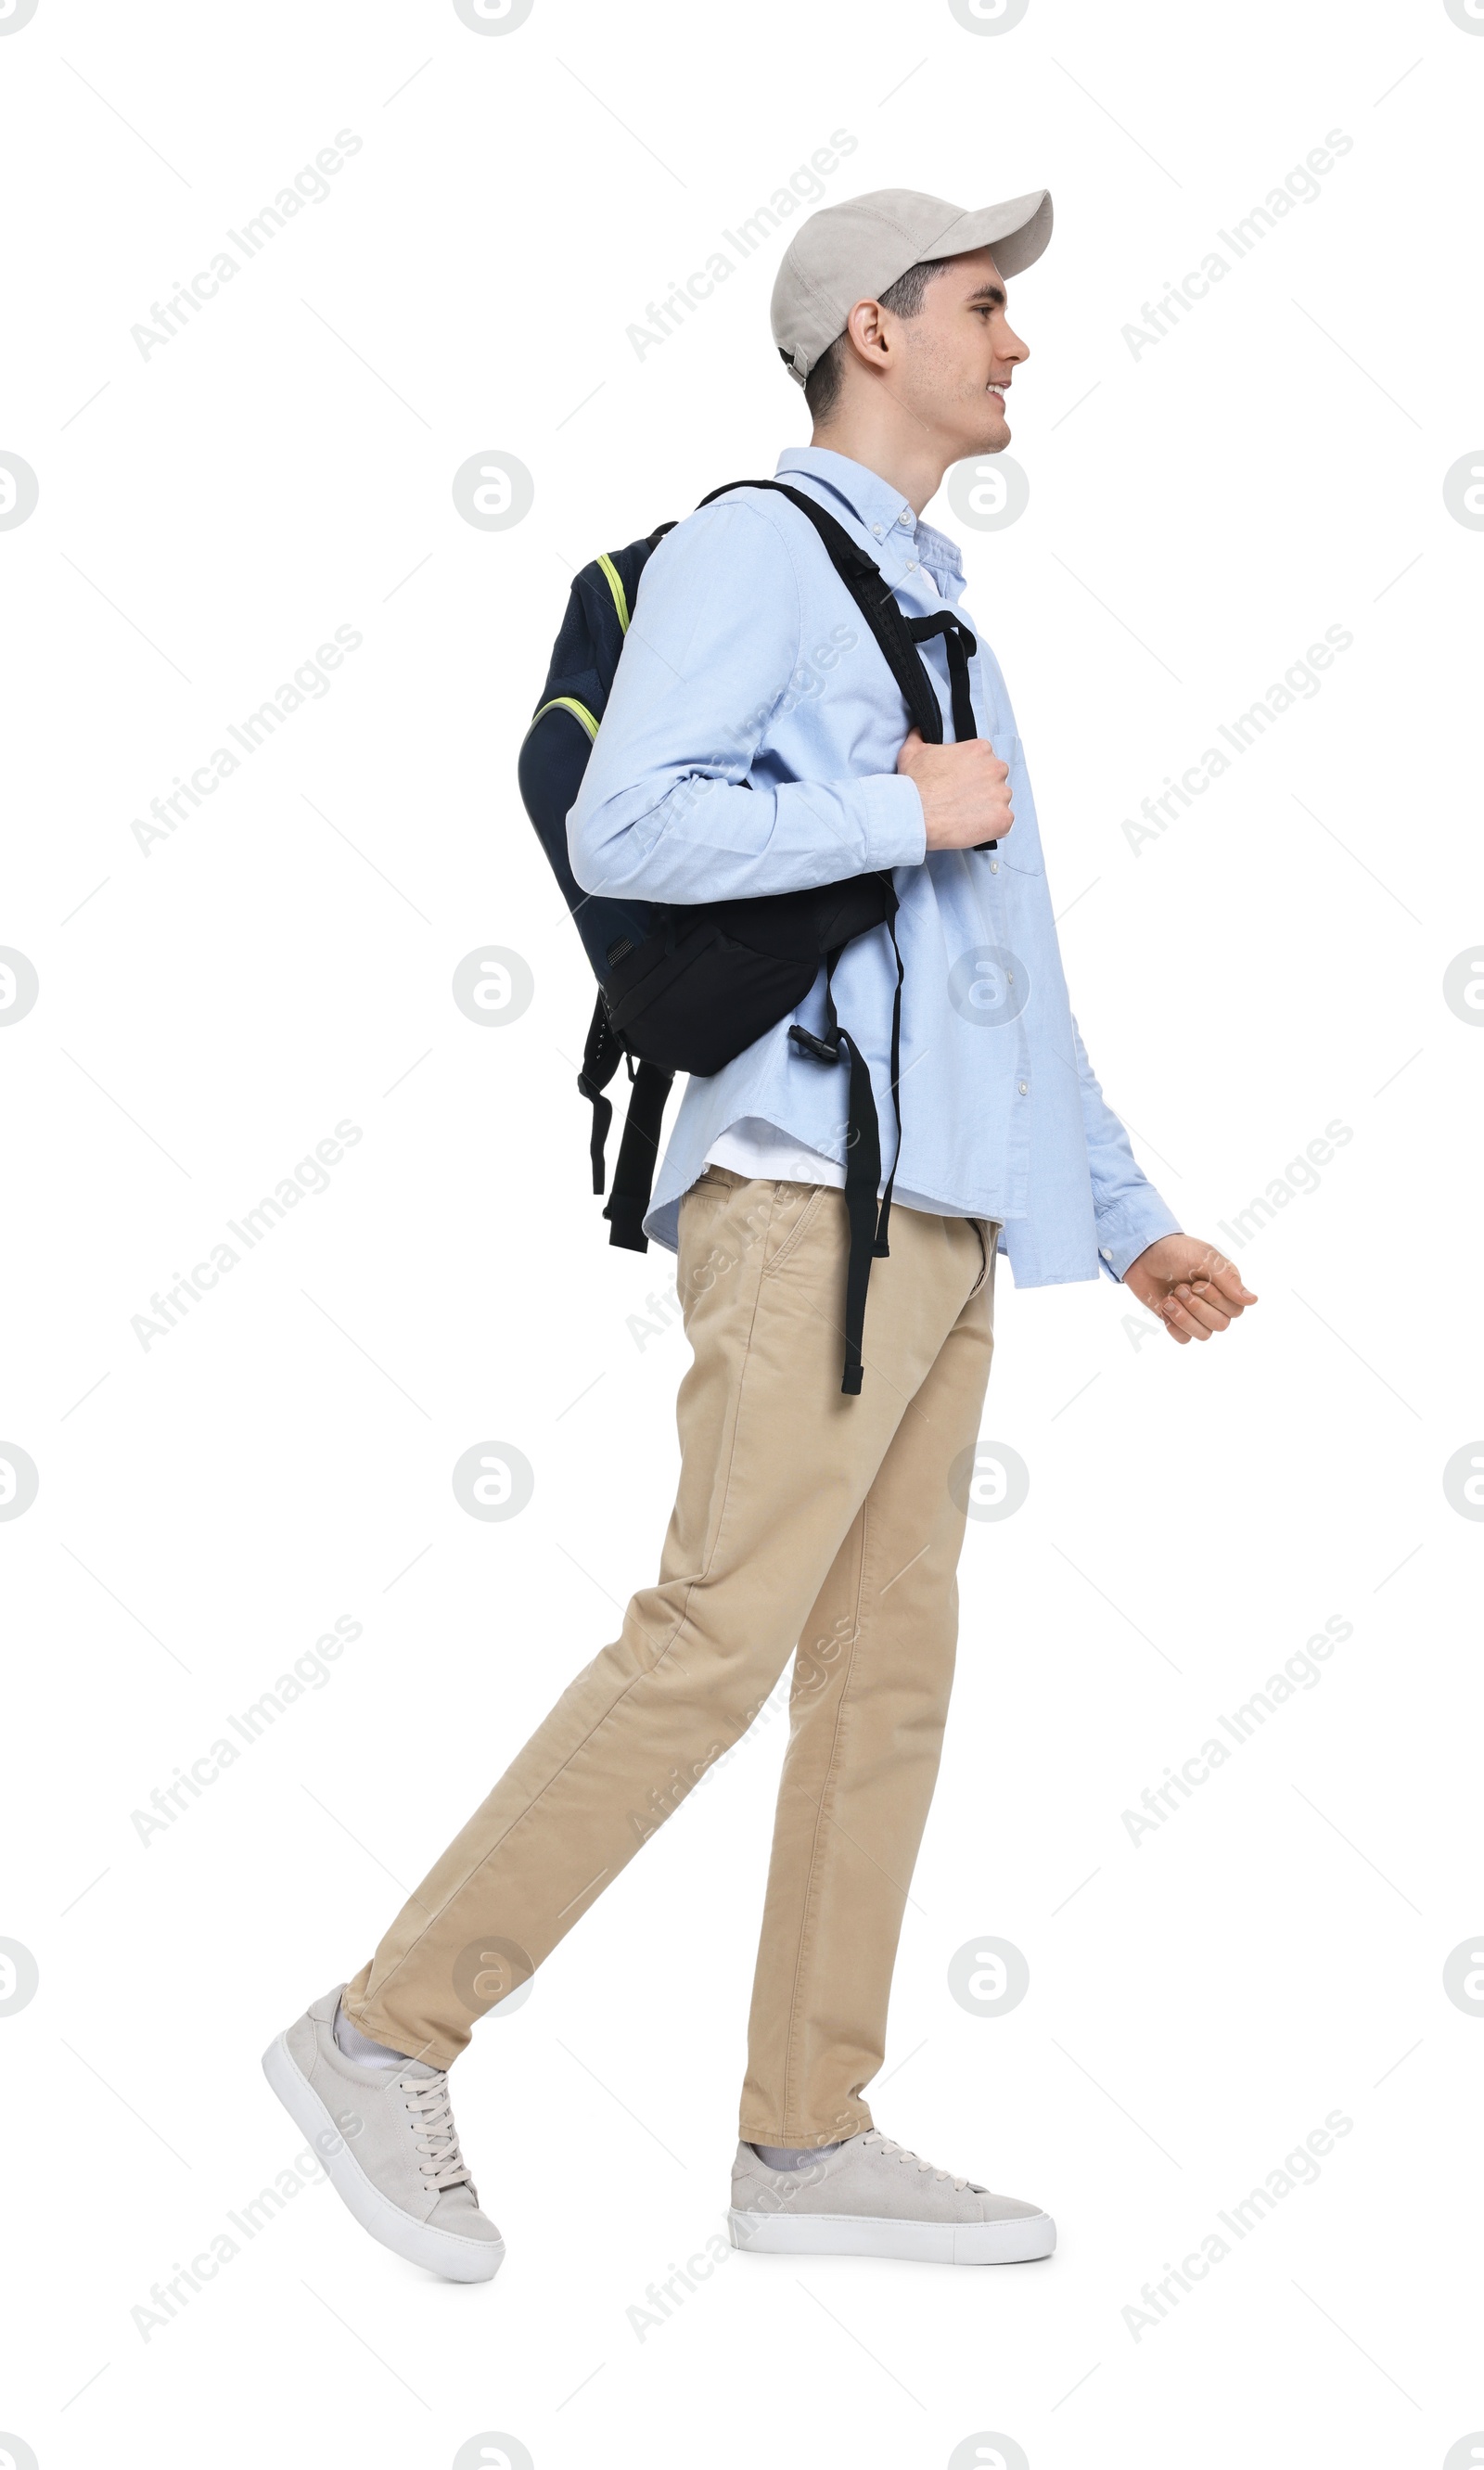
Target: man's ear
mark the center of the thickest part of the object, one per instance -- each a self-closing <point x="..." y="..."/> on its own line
<point x="865" y="327"/>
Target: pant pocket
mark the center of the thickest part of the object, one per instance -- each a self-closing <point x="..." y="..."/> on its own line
<point x="987" y="1230"/>
<point x="803" y="1205"/>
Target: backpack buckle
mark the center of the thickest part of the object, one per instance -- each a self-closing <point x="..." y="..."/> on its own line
<point x="819" y="1048"/>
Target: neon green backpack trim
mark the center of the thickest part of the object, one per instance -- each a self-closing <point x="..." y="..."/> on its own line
<point x="614" y="582"/>
<point x="567" y="703"/>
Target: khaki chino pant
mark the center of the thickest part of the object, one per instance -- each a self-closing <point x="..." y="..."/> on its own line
<point x="803" y="1519"/>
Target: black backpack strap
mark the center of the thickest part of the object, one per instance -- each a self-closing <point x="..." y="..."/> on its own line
<point x="600" y="1061"/>
<point x="634" y="1168"/>
<point x="863" y="1166"/>
<point x="962" y="644"/>
<point x="881" y="1248"/>
<point x="868" y="1224"/>
<point x="863" y="1173"/>
<point x="638" y="1152"/>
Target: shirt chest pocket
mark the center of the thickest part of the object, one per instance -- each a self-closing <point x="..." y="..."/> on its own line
<point x="1020" y="850"/>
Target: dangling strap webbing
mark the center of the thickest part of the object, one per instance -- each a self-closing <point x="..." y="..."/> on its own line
<point x="867" y="1223"/>
<point x="600" y="1061"/>
<point x="881" y="1248"/>
<point x="863" y="1173"/>
<point x="639" y="1153"/>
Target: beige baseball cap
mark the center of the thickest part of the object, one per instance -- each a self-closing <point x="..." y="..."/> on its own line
<point x="853" y="252"/>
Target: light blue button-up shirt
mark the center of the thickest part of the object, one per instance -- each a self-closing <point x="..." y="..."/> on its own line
<point x="750" y="745"/>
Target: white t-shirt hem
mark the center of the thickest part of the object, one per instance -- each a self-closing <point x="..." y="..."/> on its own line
<point x="759" y="1150"/>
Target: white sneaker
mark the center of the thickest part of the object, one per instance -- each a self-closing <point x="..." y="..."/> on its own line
<point x="872" y="2196"/>
<point x="389" y="2146"/>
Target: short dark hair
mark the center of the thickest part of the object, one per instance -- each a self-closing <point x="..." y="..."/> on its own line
<point x="823" y="384"/>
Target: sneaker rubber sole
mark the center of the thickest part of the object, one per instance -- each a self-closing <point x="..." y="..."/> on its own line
<point x="1021" y="2240"/>
<point x="440" y="2252"/>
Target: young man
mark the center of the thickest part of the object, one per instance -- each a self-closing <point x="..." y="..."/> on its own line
<point x="756" y="743"/>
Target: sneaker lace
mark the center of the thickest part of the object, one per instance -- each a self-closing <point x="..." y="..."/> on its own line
<point x="435" y="2133"/>
<point x="901" y="2153"/>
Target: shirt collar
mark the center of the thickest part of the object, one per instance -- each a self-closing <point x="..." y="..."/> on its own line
<point x="883" y="510"/>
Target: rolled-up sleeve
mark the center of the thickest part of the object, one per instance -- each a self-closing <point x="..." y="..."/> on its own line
<point x="667" y="809"/>
<point x="1129" y="1212"/>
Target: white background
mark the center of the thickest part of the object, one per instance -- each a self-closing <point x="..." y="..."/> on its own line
<point x="207" y="1012"/>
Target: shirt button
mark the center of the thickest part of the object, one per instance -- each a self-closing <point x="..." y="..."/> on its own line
<point x="912" y="566"/>
<point x="995" y="866"/>
<point x="1023" y="1087"/>
<point x="905" y="516"/>
<point x="876" y="531"/>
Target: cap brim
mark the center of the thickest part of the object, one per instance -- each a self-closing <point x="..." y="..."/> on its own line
<point x="1017" y="231"/>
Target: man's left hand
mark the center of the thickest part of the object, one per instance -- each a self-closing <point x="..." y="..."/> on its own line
<point x="1192" y="1287"/>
